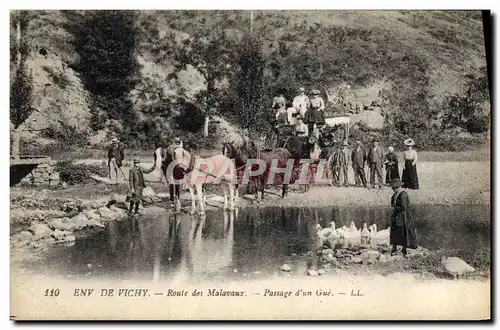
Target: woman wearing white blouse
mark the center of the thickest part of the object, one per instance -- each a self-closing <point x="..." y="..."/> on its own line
<point x="410" y="176"/>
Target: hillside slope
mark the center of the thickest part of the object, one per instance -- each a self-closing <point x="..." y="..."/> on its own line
<point x="367" y="51"/>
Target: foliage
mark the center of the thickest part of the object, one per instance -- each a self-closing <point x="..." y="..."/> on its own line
<point x="21" y="96"/>
<point x="67" y="134"/>
<point x="246" y="100"/>
<point x="466" y="110"/>
<point x="208" y="52"/>
<point x="21" y="91"/>
<point x="73" y="173"/>
<point x="191" y="118"/>
<point x="106" y="41"/>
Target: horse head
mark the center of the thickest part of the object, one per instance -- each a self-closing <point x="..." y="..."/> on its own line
<point x="229" y="150"/>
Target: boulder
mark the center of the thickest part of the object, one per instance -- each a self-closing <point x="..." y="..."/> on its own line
<point x="286" y="268"/>
<point x="91" y="214"/>
<point x="356" y="260"/>
<point x="370" y="255"/>
<point x="59" y="224"/>
<point x="148" y="192"/>
<point x="40" y="230"/>
<point x="326" y="252"/>
<point x="106" y="213"/>
<point x="312" y="272"/>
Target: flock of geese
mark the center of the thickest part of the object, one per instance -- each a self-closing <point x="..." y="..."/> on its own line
<point x="351" y="236"/>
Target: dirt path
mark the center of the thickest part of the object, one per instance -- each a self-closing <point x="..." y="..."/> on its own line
<point x="445" y="183"/>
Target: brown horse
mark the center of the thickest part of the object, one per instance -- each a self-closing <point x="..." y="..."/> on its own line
<point x="248" y="150"/>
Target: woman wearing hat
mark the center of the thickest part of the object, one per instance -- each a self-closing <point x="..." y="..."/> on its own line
<point x="402" y="231"/>
<point x="391" y="165"/>
<point x="410" y="177"/>
<point x="314" y="117"/>
<point x="301" y="129"/>
<point x="301" y="102"/>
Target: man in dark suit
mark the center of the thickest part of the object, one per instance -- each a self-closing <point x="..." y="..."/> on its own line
<point x="358" y="158"/>
<point x="136" y="186"/>
<point x="375" y="162"/>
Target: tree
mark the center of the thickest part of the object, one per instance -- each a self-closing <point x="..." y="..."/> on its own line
<point x="248" y="98"/>
<point x="467" y="110"/>
<point x="209" y="53"/>
<point x="21" y="90"/>
<point x="106" y="42"/>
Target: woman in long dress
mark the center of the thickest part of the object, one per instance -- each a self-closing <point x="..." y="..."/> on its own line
<point x="410" y="176"/>
<point x="403" y="232"/>
<point x="391" y="166"/>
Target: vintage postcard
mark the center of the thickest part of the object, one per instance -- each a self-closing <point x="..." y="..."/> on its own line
<point x="250" y="165"/>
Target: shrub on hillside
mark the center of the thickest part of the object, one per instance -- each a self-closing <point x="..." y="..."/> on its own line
<point x="73" y="173"/>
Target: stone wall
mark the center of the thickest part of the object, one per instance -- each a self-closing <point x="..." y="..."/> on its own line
<point x="43" y="175"/>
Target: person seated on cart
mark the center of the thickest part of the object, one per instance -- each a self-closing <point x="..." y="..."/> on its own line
<point x="314" y="117"/>
<point x="279" y="102"/>
<point x="301" y="102"/>
<point x="301" y="129"/>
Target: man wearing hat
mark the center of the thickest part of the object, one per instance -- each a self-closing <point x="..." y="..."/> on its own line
<point x="115" y="159"/>
<point x="136" y="186"/>
<point x="301" y="102"/>
<point x="358" y="158"/>
<point x="301" y="129"/>
<point x="344" y="160"/>
<point x="375" y="163"/>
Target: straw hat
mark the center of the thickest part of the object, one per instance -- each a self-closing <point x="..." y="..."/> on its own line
<point x="302" y="89"/>
<point x="315" y="92"/>
<point x="300" y="117"/>
<point x="358" y="142"/>
<point x="136" y="160"/>
<point x="409" y="142"/>
<point x="114" y="140"/>
<point x="396" y="183"/>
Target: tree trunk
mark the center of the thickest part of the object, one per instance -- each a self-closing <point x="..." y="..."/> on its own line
<point x="15" y="142"/>
<point x="18" y="42"/>
<point x="205" y="126"/>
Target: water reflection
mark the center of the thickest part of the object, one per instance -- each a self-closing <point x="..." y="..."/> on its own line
<point x="181" y="246"/>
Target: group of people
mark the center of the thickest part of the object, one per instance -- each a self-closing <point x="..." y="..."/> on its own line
<point x="304" y="115"/>
<point x="136" y="180"/>
<point x="376" y="158"/>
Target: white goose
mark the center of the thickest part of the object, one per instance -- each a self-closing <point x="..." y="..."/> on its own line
<point x="352" y="236"/>
<point x="326" y="234"/>
<point x="365" y="234"/>
<point x="379" y="237"/>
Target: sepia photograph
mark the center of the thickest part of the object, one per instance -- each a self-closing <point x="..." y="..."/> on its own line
<point x="250" y="165"/>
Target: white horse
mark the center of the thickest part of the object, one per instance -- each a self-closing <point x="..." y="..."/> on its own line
<point x="198" y="171"/>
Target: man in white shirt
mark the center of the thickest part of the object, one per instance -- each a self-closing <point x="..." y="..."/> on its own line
<point x="301" y="101"/>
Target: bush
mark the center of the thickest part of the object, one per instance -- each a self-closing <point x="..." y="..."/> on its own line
<point x="73" y="173"/>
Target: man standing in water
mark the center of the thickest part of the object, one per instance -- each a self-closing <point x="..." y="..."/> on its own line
<point x="136" y="186"/>
<point x="402" y="230"/>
